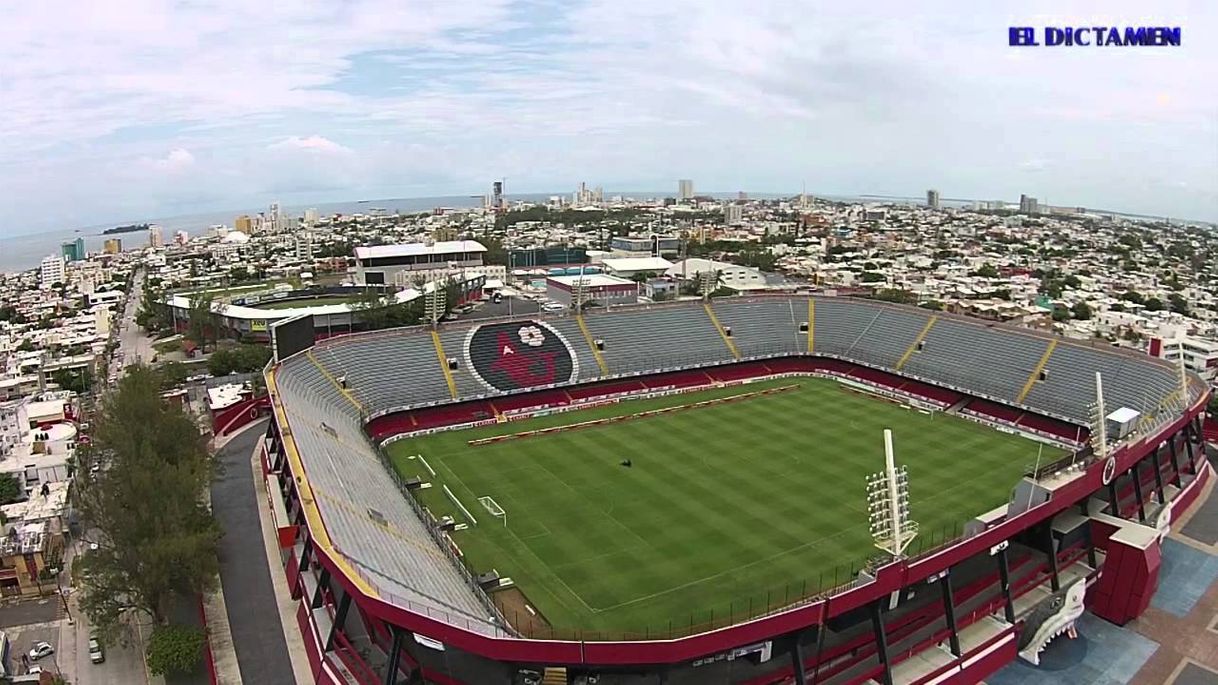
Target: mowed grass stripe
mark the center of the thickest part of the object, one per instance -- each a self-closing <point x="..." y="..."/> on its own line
<point x="727" y="508"/>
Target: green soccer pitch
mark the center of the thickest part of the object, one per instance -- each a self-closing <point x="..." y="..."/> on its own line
<point x="726" y="509"/>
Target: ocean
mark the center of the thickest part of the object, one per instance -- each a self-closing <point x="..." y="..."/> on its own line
<point x="24" y="252"/>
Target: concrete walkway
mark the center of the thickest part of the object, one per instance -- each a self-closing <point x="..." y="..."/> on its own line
<point x="258" y="635"/>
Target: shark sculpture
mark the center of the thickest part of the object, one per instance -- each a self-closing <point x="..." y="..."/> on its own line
<point x="1052" y="617"/>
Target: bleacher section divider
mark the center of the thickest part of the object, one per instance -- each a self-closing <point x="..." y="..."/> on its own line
<point x="1040" y="366"/>
<point x="337" y="386"/>
<point x="811" y="323"/>
<point x="448" y="374"/>
<point x="727" y="340"/>
<point x="917" y="341"/>
<point x="600" y="359"/>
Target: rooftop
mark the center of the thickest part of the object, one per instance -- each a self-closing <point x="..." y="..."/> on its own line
<point x="590" y="280"/>
<point x="412" y="249"/>
<point x="636" y="263"/>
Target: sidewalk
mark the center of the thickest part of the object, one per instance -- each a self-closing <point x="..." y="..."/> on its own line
<point x="283" y="597"/>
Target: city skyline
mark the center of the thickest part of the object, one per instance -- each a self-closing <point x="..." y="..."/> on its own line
<point x="160" y="110"/>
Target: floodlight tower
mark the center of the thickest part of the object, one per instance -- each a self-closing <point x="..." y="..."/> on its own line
<point x="1099" y="420"/>
<point x="579" y="292"/>
<point x="888" y="505"/>
<point x="708" y="281"/>
<point x="433" y="302"/>
<point x="1183" y="377"/>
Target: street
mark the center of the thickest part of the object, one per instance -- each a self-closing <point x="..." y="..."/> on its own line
<point x="133" y="347"/>
<point x="44" y="619"/>
<point x="253" y="614"/>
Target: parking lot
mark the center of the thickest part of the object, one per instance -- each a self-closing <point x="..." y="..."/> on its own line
<point x="23" y="639"/>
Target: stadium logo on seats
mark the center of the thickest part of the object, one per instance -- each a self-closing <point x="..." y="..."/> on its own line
<point x="519" y="354"/>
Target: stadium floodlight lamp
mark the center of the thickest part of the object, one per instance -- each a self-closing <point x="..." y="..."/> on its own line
<point x="888" y="505"/>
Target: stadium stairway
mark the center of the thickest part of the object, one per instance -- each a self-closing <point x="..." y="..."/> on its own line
<point x="763" y="327"/>
<point x="591" y="364"/>
<point x="453" y="342"/>
<point x="554" y="675"/>
<point x="657" y="337"/>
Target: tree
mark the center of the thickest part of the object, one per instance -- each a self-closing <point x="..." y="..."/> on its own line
<point x="1178" y="304"/>
<point x="1061" y="314"/>
<point x="1072" y="282"/>
<point x="986" y="271"/>
<point x="1116" y="307"/>
<point x="933" y="305"/>
<point x="896" y="295"/>
<point x="1133" y="296"/>
<point x="76" y="380"/>
<point x="240" y="359"/>
<point x="199" y="321"/>
<point x="10" y="489"/>
<point x="152" y="313"/>
<point x="175" y="649"/>
<point x="173" y="374"/>
<point x="1154" y="304"/>
<point x="157" y="539"/>
<point x="1081" y="311"/>
<point x="26" y="346"/>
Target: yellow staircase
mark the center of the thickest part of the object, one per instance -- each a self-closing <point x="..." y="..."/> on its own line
<point x="555" y="675"/>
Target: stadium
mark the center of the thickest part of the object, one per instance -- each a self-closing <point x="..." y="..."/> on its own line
<point x="683" y="493"/>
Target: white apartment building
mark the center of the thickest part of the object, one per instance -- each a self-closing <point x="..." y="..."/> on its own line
<point x="156" y="236"/>
<point x="1200" y="354"/>
<point x="731" y="275"/>
<point x="52" y="271"/>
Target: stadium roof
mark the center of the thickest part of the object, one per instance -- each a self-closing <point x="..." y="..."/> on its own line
<point x="590" y="280"/>
<point x="412" y="249"/>
<point x="636" y="263"/>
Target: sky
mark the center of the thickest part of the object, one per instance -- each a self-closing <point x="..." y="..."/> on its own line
<point x="115" y="111"/>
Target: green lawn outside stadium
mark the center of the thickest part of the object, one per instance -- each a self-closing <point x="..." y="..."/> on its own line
<point x="725" y="509"/>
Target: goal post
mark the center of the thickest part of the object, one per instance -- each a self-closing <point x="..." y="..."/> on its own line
<point x="493" y="508"/>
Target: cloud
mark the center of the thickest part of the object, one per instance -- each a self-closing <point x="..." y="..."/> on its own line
<point x="312" y="144"/>
<point x="177" y="160"/>
<point x="436" y="97"/>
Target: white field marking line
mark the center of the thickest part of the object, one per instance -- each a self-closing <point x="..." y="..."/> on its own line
<point x="585" y="560"/>
<point x="550" y="570"/>
<point x="425" y="464"/>
<point x="766" y="559"/>
<point x="460" y="506"/>
<point x="580" y="496"/>
<point x="492" y="447"/>
<point x="724" y="572"/>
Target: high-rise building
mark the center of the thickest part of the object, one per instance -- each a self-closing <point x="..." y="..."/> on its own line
<point x="932" y="199"/>
<point x="181" y="237"/>
<point x="275" y="218"/>
<point x="497" y="196"/>
<point x="733" y="214"/>
<point x="311" y="216"/>
<point x="304" y="245"/>
<point x="156" y="236"/>
<point x="685" y="189"/>
<point x="112" y="246"/>
<point x="244" y="224"/>
<point x="1028" y="205"/>
<point x="52" y="271"/>
<point x="74" y="250"/>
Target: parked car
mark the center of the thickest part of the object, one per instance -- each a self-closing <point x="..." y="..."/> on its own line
<point x="97" y="653"/>
<point x="40" y="650"/>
